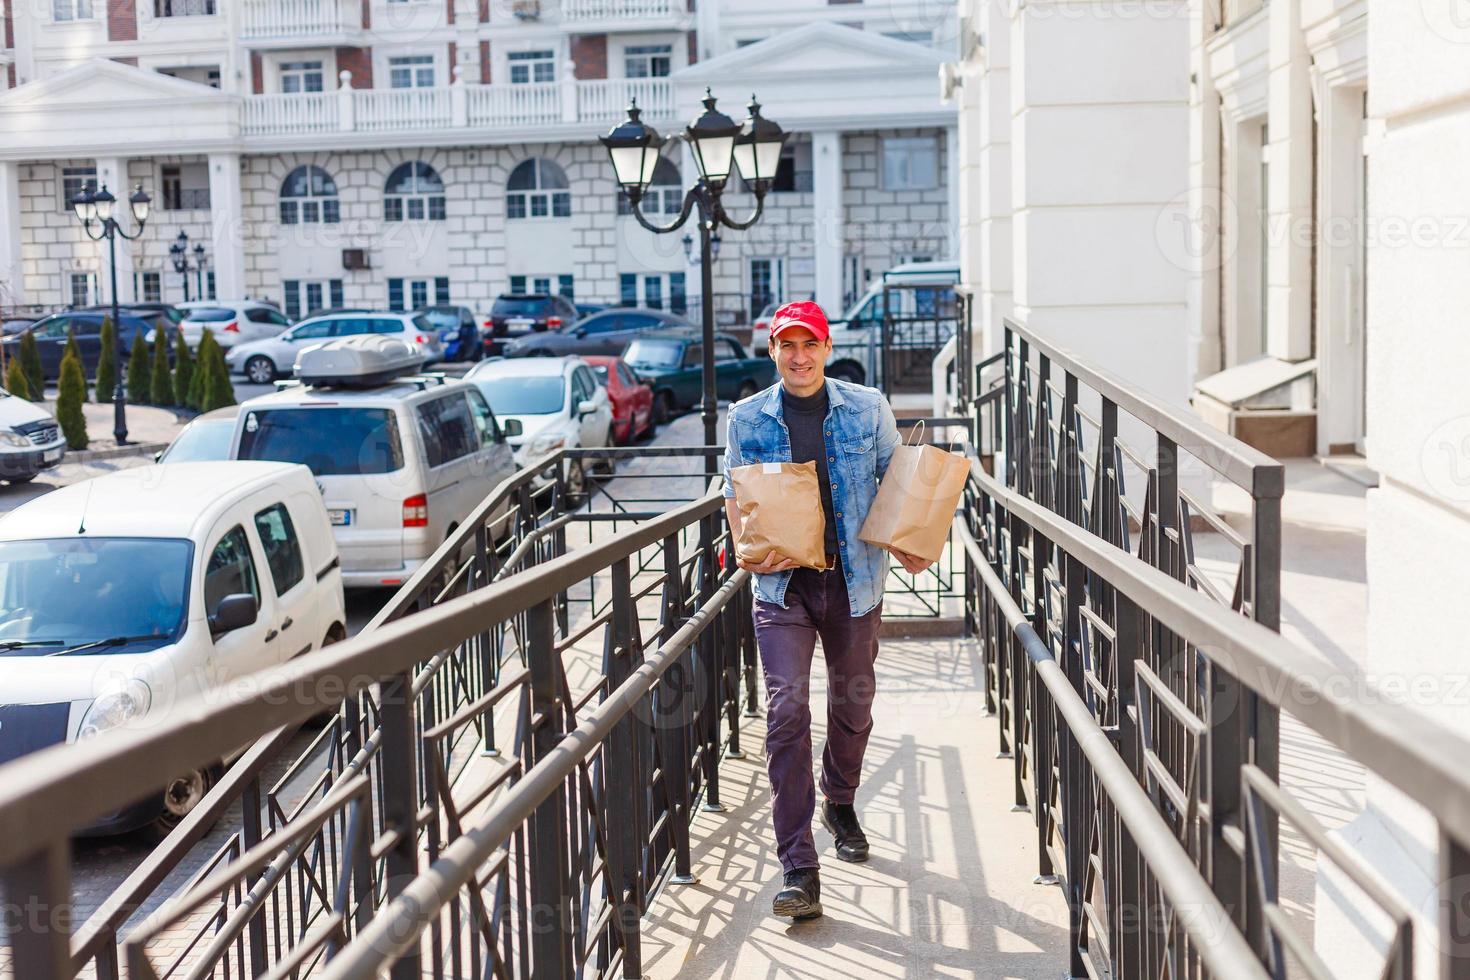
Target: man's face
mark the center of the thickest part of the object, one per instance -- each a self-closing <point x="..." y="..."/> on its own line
<point x="801" y="359"/>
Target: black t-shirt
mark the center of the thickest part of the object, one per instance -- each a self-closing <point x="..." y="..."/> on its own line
<point x="804" y="419"/>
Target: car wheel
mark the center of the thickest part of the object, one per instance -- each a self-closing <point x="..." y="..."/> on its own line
<point x="846" y="371"/>
<point x="663" y="408"/>
<point x="182" y="794"/>
<point x="747" y="388"/>
<point x="260" y="370"/>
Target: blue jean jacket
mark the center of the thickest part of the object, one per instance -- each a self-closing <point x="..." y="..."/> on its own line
<point x="860" y="434"/>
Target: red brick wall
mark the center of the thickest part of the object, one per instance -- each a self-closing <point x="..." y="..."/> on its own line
<point x="484" y="11"/>
<point x="257" y="73"/>
<point x="367" y="14"/>
<point x="589" y="55"/>
<point x="122" y="20"/>
<point x="484" y="62"/>
<point x="359" y="61"/>
<point x="453" y="50"/>
<point x="9" y="26"/>
<point x="693" y="47"/>
<point x="449" y="10"/>
<point x="10" y="72"/>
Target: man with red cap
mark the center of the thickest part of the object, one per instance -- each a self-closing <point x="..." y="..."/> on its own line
<point x="849" y="431"/>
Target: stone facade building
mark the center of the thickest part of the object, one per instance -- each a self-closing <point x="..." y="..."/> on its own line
<point x="385" y="153"/>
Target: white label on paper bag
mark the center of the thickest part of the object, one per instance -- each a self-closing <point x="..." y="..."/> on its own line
<point x="770" y="469"/>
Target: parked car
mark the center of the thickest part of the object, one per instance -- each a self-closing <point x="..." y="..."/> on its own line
<point x="760" y="331"/>
<point x="548" y="404"/>
<point x="30" y="439"/>
<point x="263" y="361"/>
<point x="233" y="323"/>
<point x="458" y="332"/>
<point x="173" y="314"/>
<point x="632" y="400"/>
<point x="602" y="333"/>
<point x="517" y="314"/>
<point x="587" y="309"/>
<point x="51" y="333"/>
<point x="124" y="596"/>
<point x="206" y="439"/>
<point x="16" y="325"/>
<point x="919" y="291"/>
<point x="671" y="363"/>
<point x="401" y="463"/>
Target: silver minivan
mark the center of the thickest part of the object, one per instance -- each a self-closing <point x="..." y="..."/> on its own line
<point x="400" y="465"/>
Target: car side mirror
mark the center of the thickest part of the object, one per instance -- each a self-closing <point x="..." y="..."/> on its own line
<point x="234" y="611"/>
<point x="580" y="332"/>
<point x="511" y="427"/>
<point x="586" y="406"/>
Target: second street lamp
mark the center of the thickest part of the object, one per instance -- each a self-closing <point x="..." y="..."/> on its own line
<point x="179" y="253"/>
<point x="717" y="142"/>
<point x="97" y="206"/>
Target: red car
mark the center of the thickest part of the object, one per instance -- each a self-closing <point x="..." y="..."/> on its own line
<point x="632" y="400"/>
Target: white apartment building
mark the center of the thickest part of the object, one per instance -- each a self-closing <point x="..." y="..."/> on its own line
<point x="394" y="152"/>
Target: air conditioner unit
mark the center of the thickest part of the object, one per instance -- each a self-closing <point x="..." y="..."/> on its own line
<point x="526" y="9"/>
<point x="355" y="258"/>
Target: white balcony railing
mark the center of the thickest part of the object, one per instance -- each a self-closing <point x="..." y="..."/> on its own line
<point x="574" y="11"/>
<point x="298" y="18"/>
<point x="598" y="103"/>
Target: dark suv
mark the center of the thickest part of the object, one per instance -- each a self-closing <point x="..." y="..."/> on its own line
<point x="517" y="314"/>
<point x="51" y="333"/>
<point x="607" y="333"/>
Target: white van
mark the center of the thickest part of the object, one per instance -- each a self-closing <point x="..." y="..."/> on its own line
<point x="923" y="315"/>
<point x="401" y="462"/>
<point x="30" y="439"/>
<point x="125" y="595"/>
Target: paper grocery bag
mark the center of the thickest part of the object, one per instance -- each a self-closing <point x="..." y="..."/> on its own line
<point x="780" y="510"/>
<point x="916" y="501"/>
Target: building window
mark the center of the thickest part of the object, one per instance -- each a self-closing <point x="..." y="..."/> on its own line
<point x="305" y="297"/>
<point x="910" y="163"/>
<point x="185" y="186"/>
<point x="531" y="66"/>
<point x="414" y="192"/>
<point x="565" y="287"/>
<point x="301" y="76"/>
<point x="198" y="75"/>
<point x="71" y="10"/>
<point x="417" y="292"/>
<point x="411" y="71"/>
<point x="83" y="288"/>
<point x="665" y="194"/>
<point x="74" y="180"/>
<point x="653" y="292"/>
<point x="209" y="285"/>
<point x="183" y="8"/>
<point x="767" y="284"/>
<point x="628" y="289"/>
<point x="309" y="197"/>
<point x="148" y="287"/>
<point x="538" y="189"/>
<point x="647" y="60"/>
<point x="518" y="285"/>
<point x="678" y="301"/>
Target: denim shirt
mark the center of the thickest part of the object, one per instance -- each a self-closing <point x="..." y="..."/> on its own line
<point x="860" y="434"/>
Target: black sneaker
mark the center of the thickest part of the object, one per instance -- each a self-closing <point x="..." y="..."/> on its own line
<point x="800" y="896"/>
<point x="840" y="820"/>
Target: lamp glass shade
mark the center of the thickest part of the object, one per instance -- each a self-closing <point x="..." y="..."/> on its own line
<point x="758" y="147"/>
<point x="633" y="165"/>
<point x="141" y="204"/>
<point x="713" y="155"/>
<point x="103" y="202"/>
<point x="84" y="207"/>
<point x="199" y="252"/>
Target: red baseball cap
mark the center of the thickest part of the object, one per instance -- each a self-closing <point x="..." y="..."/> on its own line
<point x="803" y="313"/>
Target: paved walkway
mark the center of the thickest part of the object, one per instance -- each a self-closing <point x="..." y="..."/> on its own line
<point x="948" y="890"/>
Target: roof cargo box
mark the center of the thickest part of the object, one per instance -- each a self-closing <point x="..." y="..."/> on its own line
<point x="363" y="361"/>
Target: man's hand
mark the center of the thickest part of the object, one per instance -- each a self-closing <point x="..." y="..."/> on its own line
<point x="772" y="563"/>
<point x="912" y="564"/>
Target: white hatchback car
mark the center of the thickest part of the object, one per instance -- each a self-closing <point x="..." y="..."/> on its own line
<point x="401" y="462"/>
<point x="263" y="361"/>
<point x="30" y="439"/>
<point x="125" y="595"/>
<point x="556" y="402"/>
<point x="232" y="323"/>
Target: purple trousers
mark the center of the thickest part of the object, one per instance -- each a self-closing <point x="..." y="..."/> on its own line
<point x="816" y="606"/>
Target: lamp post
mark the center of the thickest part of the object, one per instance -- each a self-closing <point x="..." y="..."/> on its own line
<point x="199" y="261"/>
<point x="717" y="141"/>
<point x="98" y="206"/>
<point x="179" y="253"/>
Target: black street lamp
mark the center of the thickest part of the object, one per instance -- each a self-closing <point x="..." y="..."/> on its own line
<point x="717" y="141"/>
<point x="179" y="253"/>
<point x="199" y="261"/>
<point x="98" y="206"/>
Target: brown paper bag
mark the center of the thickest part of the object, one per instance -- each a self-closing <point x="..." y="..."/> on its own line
<point x="780" y="510"/>
<point x="916" y="501"/>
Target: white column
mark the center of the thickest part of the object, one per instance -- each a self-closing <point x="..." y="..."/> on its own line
<point x="112" y="172"/>
<point x="1339" y="319"/>
<point x="1093" y="83"/>
<point x="1204" y="206"/>
<point x="827" y="224"/>
<point x="985" y="129"/>
<point x="952" y="186"/>
<point x="227" y="248"/>
<point x="12" y="269"/>
<point x="1289" y="194"/>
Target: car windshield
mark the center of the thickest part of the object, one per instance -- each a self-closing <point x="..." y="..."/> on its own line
<point x="211" y="314"/>
<point x="328" y="441"/>
<point x="653" y="353"/>
<point x="201" y="442"/>
<point x="512" y="395"/>
<point x="59" y="593"/>
<point x="518" y="306"/>
<point x="442" y="321"/>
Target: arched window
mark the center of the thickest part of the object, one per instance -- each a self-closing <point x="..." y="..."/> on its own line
<point x="665" y="194"/>
<point x="537" y="189"/>
<point x="308" y="197"/>
<point x="414" y="192"/>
